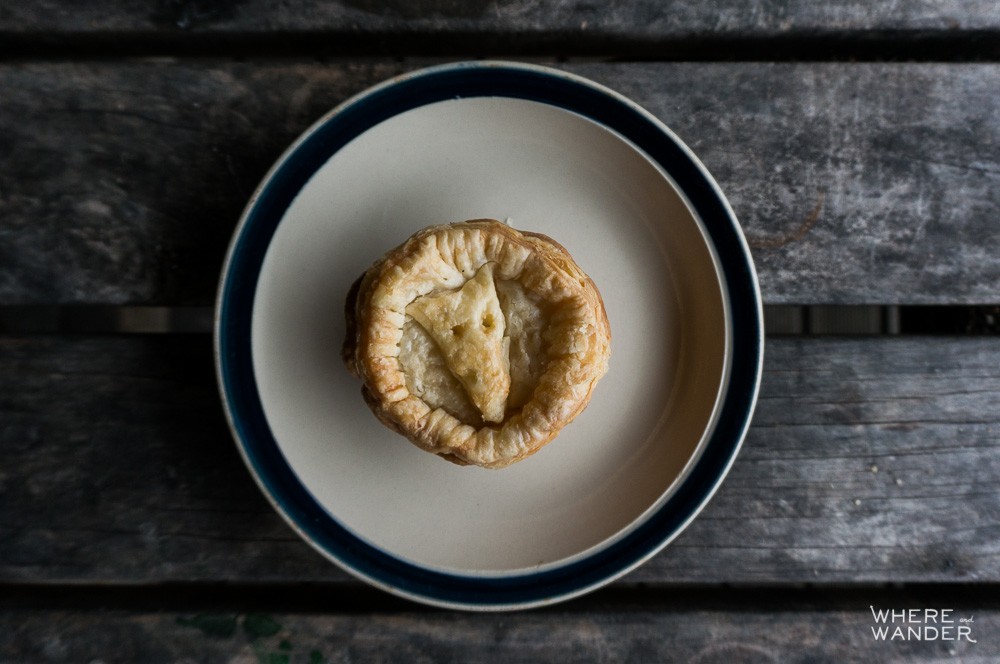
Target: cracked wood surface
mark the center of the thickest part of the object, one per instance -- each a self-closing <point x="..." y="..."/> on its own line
<point x="635" y="19"/>
<point x="636" y="635"/>
<point x="855" y="183"/>
<point x="869" y="461"/>
<point x="130" y="529"/>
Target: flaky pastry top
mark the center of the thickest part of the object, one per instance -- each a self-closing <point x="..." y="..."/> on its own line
<point x="476" y="341"/>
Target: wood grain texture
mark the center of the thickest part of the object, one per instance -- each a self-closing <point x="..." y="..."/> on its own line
<point x="638" y="635"/>
<point x="869" y="461"/>
<point x="856" y="183"/>
<point x="148" y="167"/>
<point x="646" y="18"/>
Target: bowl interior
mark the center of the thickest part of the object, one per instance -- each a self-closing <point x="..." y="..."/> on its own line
<point x="543" y="169"/>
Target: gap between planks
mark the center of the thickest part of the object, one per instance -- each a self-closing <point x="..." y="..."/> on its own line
<point x="354" y="598"/>
<point x="778" y="319"/>
<point x="589" y="42"/>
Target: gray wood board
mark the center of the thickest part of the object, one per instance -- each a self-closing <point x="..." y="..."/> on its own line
<point x="637" y="635"/>
<point x="856" y="183"/>
<point x="869" y="461"/>
<point x="636" y="18"/>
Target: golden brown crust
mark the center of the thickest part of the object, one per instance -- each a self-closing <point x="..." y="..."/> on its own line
<point x="442" y="259"/>
<point x="468" y="326"/>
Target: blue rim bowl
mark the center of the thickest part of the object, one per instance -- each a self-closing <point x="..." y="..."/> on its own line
<point x="235" y="306"/>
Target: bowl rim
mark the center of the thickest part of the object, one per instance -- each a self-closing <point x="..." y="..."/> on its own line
<point x="241" y="269"/>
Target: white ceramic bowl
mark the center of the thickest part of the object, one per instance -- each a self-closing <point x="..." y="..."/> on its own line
<point x="552" y="153"/>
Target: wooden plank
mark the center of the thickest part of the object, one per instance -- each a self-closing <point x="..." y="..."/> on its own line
<point x="635" y="18"/>
<point x="849" y="469"/>
<point x="120" y="446"/>
<point x="856" y="183"/>
<point x="869" y="460"/>
<point x="637" y="635"/>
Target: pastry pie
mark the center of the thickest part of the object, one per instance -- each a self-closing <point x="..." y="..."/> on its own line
<point x="476" y="341"/>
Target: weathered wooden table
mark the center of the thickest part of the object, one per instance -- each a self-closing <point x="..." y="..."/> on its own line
<point x="859" y="143"/>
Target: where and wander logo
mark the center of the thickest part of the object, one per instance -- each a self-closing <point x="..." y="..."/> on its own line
<point x="921" y="625"/>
